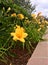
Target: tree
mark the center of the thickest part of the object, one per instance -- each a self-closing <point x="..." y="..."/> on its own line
<point x="26" y="4"/>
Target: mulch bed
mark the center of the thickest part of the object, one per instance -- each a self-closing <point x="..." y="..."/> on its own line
<point x="21" y="58"/>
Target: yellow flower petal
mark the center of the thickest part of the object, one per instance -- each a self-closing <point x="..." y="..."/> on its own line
<point x="9" y="9"/>
<point x="20" y="16"/>
<point x="33" y="15"/>
<point x="39" y="29"/>
<point x="22" y="29"/>
<point x="17" y="26"/>
<point x="12" y="34"/>
<point x="14" y="38"/>
<point x="46" y="22"/>
<point x="22" y="40"/>
<point x="24" y="35"/>
<point x="13" y="15"/>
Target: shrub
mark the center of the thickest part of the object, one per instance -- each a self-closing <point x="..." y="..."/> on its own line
<point x="17" y="27"/>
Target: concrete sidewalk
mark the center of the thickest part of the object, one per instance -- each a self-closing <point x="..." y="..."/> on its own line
<point x="40" y="55"/>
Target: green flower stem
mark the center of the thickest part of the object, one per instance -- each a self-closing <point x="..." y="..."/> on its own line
<point x="7" y="41"/>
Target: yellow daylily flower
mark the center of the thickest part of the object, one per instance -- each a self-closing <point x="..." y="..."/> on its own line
<point x="42" y="26"/>
<point x="47" y="26"/>
<point x="33" y="15"/>
<point x="27" y="21"/>
<point x="9" y="9"/>
<point x="43" y="22"/>
<point x="19" y="34"/>
<point x="13" y="15"/>
<point x="39" y="29"/>
<point x="3" y="8"/>
<point x="20" y="16"/>
<point x="26" y="17"/>
<point x="46" y="22"/>
<point x="38" y="22"/>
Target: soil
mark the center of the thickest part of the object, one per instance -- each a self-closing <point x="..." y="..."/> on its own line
<point x="21" y="58"/>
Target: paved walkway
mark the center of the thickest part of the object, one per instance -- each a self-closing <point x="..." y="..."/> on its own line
<point x="40" y="55"/>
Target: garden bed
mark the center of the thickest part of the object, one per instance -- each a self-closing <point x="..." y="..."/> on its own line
<point x="20" y="33"/>
<point x="21" y="58"/>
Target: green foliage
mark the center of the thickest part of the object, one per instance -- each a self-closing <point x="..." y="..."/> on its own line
<point x="26" y="4"/>
<point x="9" y="18"/>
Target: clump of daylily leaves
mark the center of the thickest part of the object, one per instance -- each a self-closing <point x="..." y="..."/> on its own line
<point x="16" y="29"/>
<point x="40" y="20"/>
